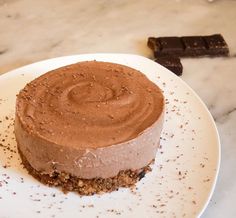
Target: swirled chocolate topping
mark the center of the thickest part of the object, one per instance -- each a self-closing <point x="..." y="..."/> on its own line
<point x="79" y="110"/>
<point x="90" y="104"/>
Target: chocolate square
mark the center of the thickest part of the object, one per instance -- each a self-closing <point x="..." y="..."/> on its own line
<point x="171" y="46"/>
<point x="171" y="63"/>
<point x="216" y="45"/>
<point x="194" y="45"/>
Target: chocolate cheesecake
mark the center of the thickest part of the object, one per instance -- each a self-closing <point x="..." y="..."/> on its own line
<point x="89" y="127"/>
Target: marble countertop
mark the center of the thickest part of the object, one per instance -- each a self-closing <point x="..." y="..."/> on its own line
<point x="36" y="30"/>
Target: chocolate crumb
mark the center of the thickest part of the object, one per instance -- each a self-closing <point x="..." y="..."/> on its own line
<point x="141" y="175"/>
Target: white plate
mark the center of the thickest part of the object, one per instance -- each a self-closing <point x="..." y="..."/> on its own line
<point x="183" y="176"/>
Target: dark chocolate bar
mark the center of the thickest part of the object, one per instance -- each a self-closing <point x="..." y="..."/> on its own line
<point x="189" y="46"/>
<point x="171" y="63"/>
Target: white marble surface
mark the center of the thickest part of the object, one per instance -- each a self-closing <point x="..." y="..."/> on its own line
<point x="36" y="30"/>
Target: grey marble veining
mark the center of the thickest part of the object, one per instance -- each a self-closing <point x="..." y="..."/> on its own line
<point x="36" y="30"/>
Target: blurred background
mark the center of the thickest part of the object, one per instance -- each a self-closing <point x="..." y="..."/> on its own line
<point x="37" y="30"/>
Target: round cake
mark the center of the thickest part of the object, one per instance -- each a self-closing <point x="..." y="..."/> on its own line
<point x="89" y="127"/>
